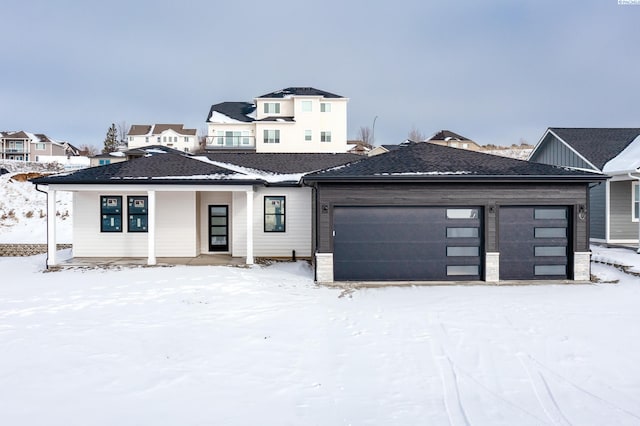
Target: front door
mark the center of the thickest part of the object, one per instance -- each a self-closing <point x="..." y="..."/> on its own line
<point x="218" y="228"/>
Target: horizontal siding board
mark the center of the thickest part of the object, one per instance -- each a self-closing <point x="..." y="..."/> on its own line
<point x="622" y="225"/>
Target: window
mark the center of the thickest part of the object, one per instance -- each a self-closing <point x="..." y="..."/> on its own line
<point x="463" y="251"/>
<point x="175" y="139"/>
<point x="272" y="136"/>
<point x="549" y="270"/>
<point x="274" y="214"/>
<point x="462" y="213"/>
<point x="186" y="150"/>
<point x="158" y="139"/>
<point x="41" y="146"/>
<point x="636" y="201"/>
<point x="465" y="145"/>
<point x="146" y="139"/>
<point x="111" y="213"/>
<point x="271" y="108"/>
<point x="245" y="138"/>
<point x="306" y="106"/>
<point x="453" y="144"/>
<point x="325" y="107"/>
<point x="462" y="232"/>
<point x="550" y="232"/>
<point x="164" y="139"/>
<point x="550" y="213"/>
<point x="104" y="162"/>
<point x="307" y="135"/>
<point x="462" y="270"/>
<point x="325" y="136"/>
<point x="540" y="251"/>
<point x="130" y="138"/>
<point x="138" y="214"/>
<point x="186" y="138"/>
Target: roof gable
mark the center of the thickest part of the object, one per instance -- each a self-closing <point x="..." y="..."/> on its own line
<point x="596" y="145"/>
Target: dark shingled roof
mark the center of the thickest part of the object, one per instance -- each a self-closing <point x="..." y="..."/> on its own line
<point x="236" y="110"/>
<point x="425" y="161"/>
<point x="140" y="171"/>
<point x="300" y="91"/>
<point x="273" y="118"/>
<point x="183" y="167"/>
<point x="284" y="163"/>
<point x="598" y="145"/>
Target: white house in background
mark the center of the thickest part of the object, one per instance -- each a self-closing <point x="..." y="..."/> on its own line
<point x="25" y="146"/>
<point x="295" y="120"/>
<point x="170" y="135"/>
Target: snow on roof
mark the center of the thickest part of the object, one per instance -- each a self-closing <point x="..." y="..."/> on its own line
<point x="218" y="117"/>
<point x="117" y="154"/>
<point x="627" y="161"/>
<point x="249" y="173"/>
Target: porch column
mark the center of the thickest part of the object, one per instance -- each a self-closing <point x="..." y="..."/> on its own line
<point x="249" y="260"/>
<point x="151" y="233"/>
<point x="51" y="228"/>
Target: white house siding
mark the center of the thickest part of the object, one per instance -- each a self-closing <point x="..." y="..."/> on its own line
<point x="169" y="138"/>
<point x="176" y="227"/>
<point x="239" y="224"/>
<point x="622" y="228"/>
<point x="297" y="235"/>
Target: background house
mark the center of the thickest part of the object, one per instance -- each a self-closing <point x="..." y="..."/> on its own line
<point x="612" y="151"/>
<point x="295" y="119"/>
<point x="453" y="140"/>
<point x="170" y="135"/>
<point x="38" y="147"/>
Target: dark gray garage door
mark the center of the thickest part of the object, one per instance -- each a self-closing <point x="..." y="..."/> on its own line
<point x="407" y="243"/>
<point x="534" y="243"/>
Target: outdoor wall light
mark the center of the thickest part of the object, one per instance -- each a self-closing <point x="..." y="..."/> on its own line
<point x="582" y="211"/>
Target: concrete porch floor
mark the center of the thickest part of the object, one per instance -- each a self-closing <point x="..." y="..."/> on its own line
<point x="201" y="260"/>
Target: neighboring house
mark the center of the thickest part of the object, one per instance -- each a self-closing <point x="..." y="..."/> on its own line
<point x="175" y="205"/>
<point x="432" y="213"/>
<point x="614" y="152"/>
<point x="358" y="147"/>
<point x="453" y="140"/>
<point x="25" y="146"/>
<point x="295" y="119"/>
<point x="170" y="135"/>
<point x="383" y="149"/>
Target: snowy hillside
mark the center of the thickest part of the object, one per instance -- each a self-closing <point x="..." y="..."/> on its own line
<point x="23" y="209"/>
<point x="517" y="153"/>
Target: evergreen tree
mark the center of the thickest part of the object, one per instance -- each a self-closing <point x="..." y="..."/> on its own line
<point x="111" y="141"/>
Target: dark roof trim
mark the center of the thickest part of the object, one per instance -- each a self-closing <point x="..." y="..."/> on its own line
<point x="454" y="178"/>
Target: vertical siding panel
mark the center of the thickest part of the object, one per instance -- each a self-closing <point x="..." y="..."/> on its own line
<point x="597" y="207"/>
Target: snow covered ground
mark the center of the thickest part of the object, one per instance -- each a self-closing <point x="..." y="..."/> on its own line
<point x="191" y="345"/>
<point x="266" y="346"/>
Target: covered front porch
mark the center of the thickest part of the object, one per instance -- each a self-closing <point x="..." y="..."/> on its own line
<point x="173" y="225"/>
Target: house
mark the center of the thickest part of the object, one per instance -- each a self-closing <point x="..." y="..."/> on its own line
<point x="611" y="151"/>
<point x="433" y="213"/>
<point x="25" y="146"/>
<point x="358" y="147"/>
<point x="454" y="140"/>
<point x="383" y="149"/>
<point x="295" y="119"/>
<point x="168" y="204"/>
<point x="170" y="135"/>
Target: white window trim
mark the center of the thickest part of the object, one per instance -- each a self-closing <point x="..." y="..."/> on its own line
<point x="634" y="186"/>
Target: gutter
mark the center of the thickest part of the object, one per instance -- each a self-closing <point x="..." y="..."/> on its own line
<point x="46" y="262"/>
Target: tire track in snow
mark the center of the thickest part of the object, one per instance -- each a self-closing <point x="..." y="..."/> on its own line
<point x="452" y="400"/>
<point x="440" y="335"/>
<point x="542" y="392"/>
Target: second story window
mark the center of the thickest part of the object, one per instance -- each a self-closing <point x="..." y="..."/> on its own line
<point x="146" y="139"/>
<point x="158" y="139"/>
<point x="41" y="146"/>
<point x="325" y="107"/>
<point x="186" y="138"/>
<point x="271" y="108"/>
<point x="271" y="136"/>
<point x="306" y="106"/>
<point x="307" y="135"/>
<point x="325" y="136"/>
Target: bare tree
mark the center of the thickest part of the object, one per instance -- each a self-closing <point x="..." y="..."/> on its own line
<point x="416" y="135"/>
<point x="366" y="136"/>
<point x="123" y="129"/>
<point x="202" y="140"/>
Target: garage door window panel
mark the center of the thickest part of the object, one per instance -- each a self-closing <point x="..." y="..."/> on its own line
<point x="550" y="232"/>
<point x="462" y="213"/>
<point x="462" y="270"/>
<point x="462" y="233"/>
<point x="453" y="251"/>
<point x="560" y="270"/>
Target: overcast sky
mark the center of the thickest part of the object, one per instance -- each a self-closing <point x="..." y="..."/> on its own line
<point x="496" y="71"/>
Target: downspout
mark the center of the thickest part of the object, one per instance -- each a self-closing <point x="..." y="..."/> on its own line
<point x="633" y="207"/>
<point x="46" y="262"/>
